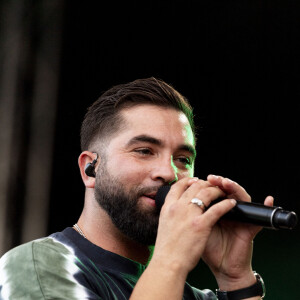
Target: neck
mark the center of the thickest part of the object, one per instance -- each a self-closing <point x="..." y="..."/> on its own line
<point x="99" y="229"/>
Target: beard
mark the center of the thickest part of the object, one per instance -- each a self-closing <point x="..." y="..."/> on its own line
<point x="123" y="208"/>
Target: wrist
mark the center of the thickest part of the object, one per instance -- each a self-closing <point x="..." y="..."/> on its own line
<point x="170" y="267"/>
<point x="230" y="283"/>
<point x="253" y="291"/>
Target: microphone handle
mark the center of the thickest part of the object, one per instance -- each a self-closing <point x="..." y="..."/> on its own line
<point x="259" y="214"/>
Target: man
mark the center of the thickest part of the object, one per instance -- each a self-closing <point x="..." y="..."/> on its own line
<point x="136" y="138"/>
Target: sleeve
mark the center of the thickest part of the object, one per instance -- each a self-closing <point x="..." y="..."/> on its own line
<point x="41" y="270"/>
<point x="192" y="293"/>
<point x="17" y="275"/>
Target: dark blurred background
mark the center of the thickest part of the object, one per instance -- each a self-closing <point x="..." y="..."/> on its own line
<point x="237" y="62"/>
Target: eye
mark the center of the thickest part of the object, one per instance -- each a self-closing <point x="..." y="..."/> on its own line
<point x="143" y="151"/>
<point x="184" y="160"/>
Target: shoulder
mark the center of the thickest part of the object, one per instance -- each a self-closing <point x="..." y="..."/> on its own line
<point x="19" y="254"/>
<point x="38" y="269"/>
<point x="26" y="255"/>
<point x="17" y="272"/>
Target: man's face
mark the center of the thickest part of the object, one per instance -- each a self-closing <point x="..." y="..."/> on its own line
<point x="154" y="147"/>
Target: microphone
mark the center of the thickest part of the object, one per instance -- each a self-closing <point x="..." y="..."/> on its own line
<point x="248" y="212"/>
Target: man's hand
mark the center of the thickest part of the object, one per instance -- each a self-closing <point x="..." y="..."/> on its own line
<point x="228" y="251"/>
<point x="184" y="227"/>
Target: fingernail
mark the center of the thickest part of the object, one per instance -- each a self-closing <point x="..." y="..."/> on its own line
<point x="233" y="201"/>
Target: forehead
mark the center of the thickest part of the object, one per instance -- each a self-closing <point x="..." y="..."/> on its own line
<point x="161" y="122"/>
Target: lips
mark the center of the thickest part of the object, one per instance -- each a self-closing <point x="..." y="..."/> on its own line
<point x="151" y="195"/>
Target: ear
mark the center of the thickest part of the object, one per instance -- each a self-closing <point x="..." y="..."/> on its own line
<point x="84" y="158"/>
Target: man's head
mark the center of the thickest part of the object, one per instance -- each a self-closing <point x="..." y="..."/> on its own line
<point x="103" y="118"/>
<point x="144" y="139"/>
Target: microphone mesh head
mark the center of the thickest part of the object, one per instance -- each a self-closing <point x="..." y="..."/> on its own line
<point x="161" y="195"/>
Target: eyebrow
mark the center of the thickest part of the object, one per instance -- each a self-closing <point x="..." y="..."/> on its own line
<point x="158" y="142"/>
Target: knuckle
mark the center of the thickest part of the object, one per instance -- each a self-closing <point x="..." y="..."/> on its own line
<point x="206" y="193"/>
<point x="199" y="183"/>
<point x="198" y="224"/>
<point x="172" y="209"/>
<point x="210" y="193"/>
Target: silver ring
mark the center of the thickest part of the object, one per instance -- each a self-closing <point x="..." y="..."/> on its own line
<point x="198" y="202"/>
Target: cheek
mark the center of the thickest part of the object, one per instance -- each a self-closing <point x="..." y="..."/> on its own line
<point x="128" y="171"/>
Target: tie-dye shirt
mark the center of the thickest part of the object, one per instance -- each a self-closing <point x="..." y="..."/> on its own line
<point x="65" y="265"/>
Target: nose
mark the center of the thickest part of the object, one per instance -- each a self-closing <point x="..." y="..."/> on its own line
<point x="165" y="171"/>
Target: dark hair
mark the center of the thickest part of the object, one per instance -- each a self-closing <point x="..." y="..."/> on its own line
<point x="103" y="119"/>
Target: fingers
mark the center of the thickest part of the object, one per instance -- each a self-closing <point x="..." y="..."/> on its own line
<point x="179" y="188"/>
<point x="215" y="212"/>
<point x="231" y="188"/>
<point x="269" y="201"/>
<point x="204" y="191"/>
<point x="187" y="189"/>
<point x="207" y="193"/>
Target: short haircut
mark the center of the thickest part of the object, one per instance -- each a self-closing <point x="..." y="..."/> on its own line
<point x="103" y="118"/>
